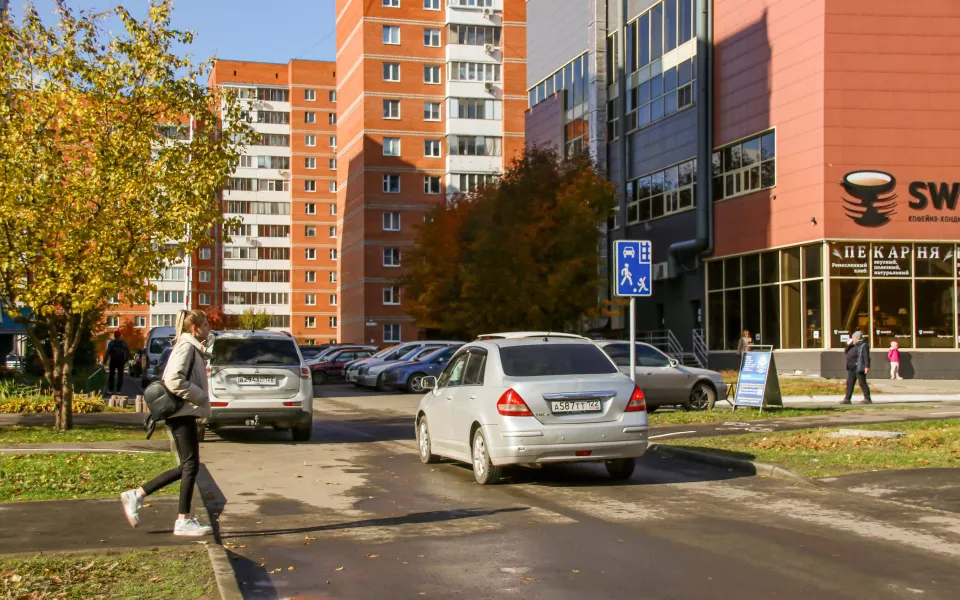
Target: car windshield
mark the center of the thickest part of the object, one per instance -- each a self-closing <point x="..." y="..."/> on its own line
<point x="401" y="352"/>
<point x="311" y="351"/>
<point x="385" y="352"/>
<point x="440" y="353"/>
<point x="646" y="356"/>
<point x="158" y="345"/>
<point x="538" y="360"/>
<point x="254" y="351"/>
<point x="420" y="353"/>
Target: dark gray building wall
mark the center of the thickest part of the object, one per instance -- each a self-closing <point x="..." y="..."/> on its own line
<point x="634" y="9"/>
<point x="544" y="123"/>
<point x="557" y="32"/>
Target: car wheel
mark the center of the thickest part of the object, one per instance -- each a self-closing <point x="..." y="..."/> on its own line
<point x="702" y="397"/>
<point x="303" y="431"/>
<point x="319" y="377"/>
<point x="415" y="383"/>
<point x="621" y="468"/>
<point x="381" y="384"/>
<point x="423" y="441"/>
<point x="484" y="471"/>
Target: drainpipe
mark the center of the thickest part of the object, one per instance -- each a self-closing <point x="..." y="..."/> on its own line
<point x="621" y="68"/>
<point x="703" y="243"/>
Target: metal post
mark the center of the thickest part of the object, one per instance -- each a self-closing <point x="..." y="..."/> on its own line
<point x="633" y="339"/>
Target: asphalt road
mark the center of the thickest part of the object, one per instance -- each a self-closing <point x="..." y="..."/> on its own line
<point x="354" y="514"/>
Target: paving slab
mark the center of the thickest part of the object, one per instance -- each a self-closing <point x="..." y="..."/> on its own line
<point x="931" y="488"/>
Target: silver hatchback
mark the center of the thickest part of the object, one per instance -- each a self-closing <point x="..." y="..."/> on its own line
<point x="259" y="378"/>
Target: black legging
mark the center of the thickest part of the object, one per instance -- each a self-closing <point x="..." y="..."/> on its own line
<point x="188" y="448"/>
<point x="116" y="377"/>
<point x="857" y="377"/>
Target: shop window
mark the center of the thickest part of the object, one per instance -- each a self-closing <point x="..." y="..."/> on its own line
<point x="892" y="310"/>
<point x="751" y="311"/>
<point x="812" y="261"/>
<point x="732" y="319"/>
<point x="731" y="269"/>
<point x="933" y="260"/>
<point x="715" y="319"/>
<point x="715" y="275"/>
<point x="935" y="320"/>
<point x="849" y="305"/>
<point x="812" y="313"/>
<point x="849" y="259"/>
<point x="751" y="269"/>
<point x="891" y="260"/>
<point x="791" y="315"/>
<point x="770" y="315"/>
<point x="770" y="267"/>
<point x="790" y="264"/>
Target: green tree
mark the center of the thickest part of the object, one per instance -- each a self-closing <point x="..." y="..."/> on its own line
<point x="112" y="152"/>
<point x="519" y="254"/>
<point x="253" y="320"/>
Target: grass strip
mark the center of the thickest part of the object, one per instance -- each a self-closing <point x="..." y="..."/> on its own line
<point x="679" y="417"/>
<point x="16" y="434"/>
<point x="813" y="453"/>
<point x="183" y="573"/>
<point x="62" y="476"/>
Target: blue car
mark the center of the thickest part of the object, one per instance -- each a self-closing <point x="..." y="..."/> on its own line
<point x="409" y="375"/>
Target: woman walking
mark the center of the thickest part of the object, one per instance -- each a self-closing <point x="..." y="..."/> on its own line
<point x="186" y="377"/>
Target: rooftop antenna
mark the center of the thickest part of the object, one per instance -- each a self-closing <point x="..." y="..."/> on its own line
<point x="545" y="338"/>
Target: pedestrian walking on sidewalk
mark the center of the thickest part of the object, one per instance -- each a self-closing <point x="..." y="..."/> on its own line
<point x="186" y="377"/>
<point x="115" y="358"/>
<point x="894" y="357"/>
<point x="857" y="356"/>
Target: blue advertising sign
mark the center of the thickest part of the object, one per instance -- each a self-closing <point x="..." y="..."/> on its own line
<point x="757" y="384"/>
<point x="634" y="268"/>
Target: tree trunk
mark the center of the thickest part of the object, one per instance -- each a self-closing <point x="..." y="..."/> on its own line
<point x="65" y="414"/>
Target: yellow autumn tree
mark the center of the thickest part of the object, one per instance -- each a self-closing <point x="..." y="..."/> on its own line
<point x="112" y="151"/>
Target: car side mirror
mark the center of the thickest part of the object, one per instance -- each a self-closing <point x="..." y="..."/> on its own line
<point x="429" y="383"/>
<point x="674" y="363"/>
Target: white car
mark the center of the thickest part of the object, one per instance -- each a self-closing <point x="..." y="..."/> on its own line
<point x="528" y="401"/>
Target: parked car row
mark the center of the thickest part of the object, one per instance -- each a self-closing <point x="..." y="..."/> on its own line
<point x="373" y="372"/>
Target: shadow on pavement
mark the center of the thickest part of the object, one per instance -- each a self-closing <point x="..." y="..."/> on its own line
<point x="251" y="574"/>
<point x="347" y="431"/>
<point x="433" y="516"/>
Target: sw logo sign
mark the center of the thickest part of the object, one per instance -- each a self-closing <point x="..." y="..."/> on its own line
<point x="873" y="202"/>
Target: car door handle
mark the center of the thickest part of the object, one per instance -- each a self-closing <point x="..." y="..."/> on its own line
<point x="449" y="397"/>
<point x="473" y="397"/>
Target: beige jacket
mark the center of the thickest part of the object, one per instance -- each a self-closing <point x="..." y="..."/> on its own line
<point x="191" y="387"/>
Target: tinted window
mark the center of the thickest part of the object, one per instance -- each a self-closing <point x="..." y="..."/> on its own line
<point x="536" y="360"/>
<point x="651" y="357"/>
<point x="363" y="354"/>
<point x="345" y="356"/>
<point x="422" y="352"/>
<point x="158" y="345"/>
<point x="254" y="352"/>
<point x="473" y="374"/>
<point x="385" y="352"/>
<point x="399" y="352"/>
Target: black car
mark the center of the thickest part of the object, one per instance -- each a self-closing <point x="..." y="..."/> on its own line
<point x="310" y="351"/>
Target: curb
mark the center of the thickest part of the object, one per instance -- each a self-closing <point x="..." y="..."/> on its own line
<point x="737" y="464"/>
<point x="223" y="572"/>
<point x="214" y="501"/>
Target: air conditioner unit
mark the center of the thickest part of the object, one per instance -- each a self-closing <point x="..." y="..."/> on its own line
<point x="488" y="86"/>
<point x="487" y="12"/>
<point x="661" y="270"/>
<point x="488" y="48"/>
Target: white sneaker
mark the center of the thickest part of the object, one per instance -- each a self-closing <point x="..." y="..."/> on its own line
<point x="131" y="506"/>
<point x="191" y="527"/>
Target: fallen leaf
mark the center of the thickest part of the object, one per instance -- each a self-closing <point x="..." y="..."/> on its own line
<point x="307" y="537"/>
<point x="154" y="580"/>
<point x="528" y="579"/>
<point x="420" y="555"/>
<point x="338" y="569"/>
<point x="406" y="562"/>
<point x="371" y="556"/>
<point x="289" y="568"/>
<point x="576" y="570"/>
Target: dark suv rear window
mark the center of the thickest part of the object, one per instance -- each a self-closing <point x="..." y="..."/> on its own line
<point x="537" y="360"/>
<point x="254" y="351"/>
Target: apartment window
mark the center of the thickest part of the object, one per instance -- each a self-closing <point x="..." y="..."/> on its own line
<point x="241" y="184"/>
<point x="391" y="71"/>
<point x="333" y="322"/>
<point x="431" y="148"/>
<point x="333" y="276"/>
<point x="333" y="210"/>
<point x="166" y="297"/>
<point x="204" y="300"/>
<point x="310" y="276"/>
<point x="661" y="95"/>
<point x="273" y="162"/>
<point x="470" y="71"/>
<point x="310" y="95"/>
<point x="310" y="140"/>
<point x="431" y="4"/>
<point x="332" y="300"/>
<point x="332" y="187"/>
<point x="273" y="95"/>
<point x="310" y="208"/>
<point x="391" y="333"/>
<point x="332" y="163"/>
<point x="391" y="295"/>
<point x="310" y="322"/>
<point x="310" y="299"/>
<point x="391" y="109"/>
<point x="333" y="142"/>
<point x="140" y="322"/>
<point x="204" y="276"/>
<point x="173" y="274"/>
<point x="431" y="111"/>
<point x="309" y="185"/>
<point x="471" y="182"/>
<point x="332" y="95"/>
<point x="431" y="38"/>
<point x="391" y="3"/>
<point x="248" y="162"/>
<point x="310" y="231"/>
<point x="204" y="253"/>
<point x="473" y="35"/>
<point x="333" y="254"/>
<point x="333" y="232"/>
<point x="155" y="321"/>
<point x="113" y="322"/>
<point x="273" y="139"/>
<point x="310" y="162"/>
<point x="391" y="257"/>
<point x="273" y="117"/>
<point x="391" y="146"/>
<point x="277" y="231"/>
<point x="274" y="185"/>
<point x="391" y="184"/>
<point x="391" y="221"/>
<point x="745" y="167"/>
<point x="475" y="145"/>
<point x="662" y="193"/>
<point x="310" y="253"/>
<point x="248" y="207"/>
<point x="475" y="108"/>
<point x="391" y="34"/>
<point x="431" y="185"/>
<point x="309" y="117"/>
<point x="431" y="74"/>
<point x="332" y="118"/>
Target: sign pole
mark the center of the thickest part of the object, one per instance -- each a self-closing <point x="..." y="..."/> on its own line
<point x="633" y="339"/>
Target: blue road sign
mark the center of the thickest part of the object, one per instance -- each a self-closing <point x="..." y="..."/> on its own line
<point x="634" y="274"/>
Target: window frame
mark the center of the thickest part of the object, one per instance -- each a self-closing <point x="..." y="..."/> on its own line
<point x="428" y="37"/>
<point x="439" y="113"/>
<point x="387" y="181"/>
<point x="393" y="222"/>
<point x="387" y="38"/>
<point x="391" y="258"/>
<point x="391" y="72"/>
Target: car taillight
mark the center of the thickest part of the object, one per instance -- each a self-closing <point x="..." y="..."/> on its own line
<point x="293" y="403"/>
<point x="511" y="404"/>
<point x="218" y="404"/>
<point x="208" y="370"/>
<point x="305" y="372"/>
<point x="637" y="401"/>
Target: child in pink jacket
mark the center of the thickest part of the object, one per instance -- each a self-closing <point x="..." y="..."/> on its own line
<point x="893" y="355"/>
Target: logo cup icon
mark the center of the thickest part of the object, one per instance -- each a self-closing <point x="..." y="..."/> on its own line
<point x="874" y="204"/>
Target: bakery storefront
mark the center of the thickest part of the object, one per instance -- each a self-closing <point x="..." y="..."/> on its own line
<point x="807" y="300"/>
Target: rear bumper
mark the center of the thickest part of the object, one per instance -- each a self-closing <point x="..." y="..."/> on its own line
<point x="536" y="443"/>
<point x="278" y="417"/>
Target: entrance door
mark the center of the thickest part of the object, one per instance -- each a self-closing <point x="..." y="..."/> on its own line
<point x="697" y="312"/>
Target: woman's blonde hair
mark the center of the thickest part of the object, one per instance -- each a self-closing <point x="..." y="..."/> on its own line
<point x="186" y="319"/>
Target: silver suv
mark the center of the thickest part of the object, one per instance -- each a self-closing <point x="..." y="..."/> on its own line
<point x="259" y="378"/>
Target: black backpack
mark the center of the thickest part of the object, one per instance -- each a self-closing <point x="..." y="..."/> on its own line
<point x="161" y="402"/>
<point x="117" y="351"/>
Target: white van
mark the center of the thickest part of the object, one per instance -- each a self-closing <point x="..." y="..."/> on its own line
<point x="158" y="340"/>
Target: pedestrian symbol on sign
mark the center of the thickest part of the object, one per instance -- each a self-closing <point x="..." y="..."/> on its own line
<point x="626" y="277"/>
<point x="633" y="268"/>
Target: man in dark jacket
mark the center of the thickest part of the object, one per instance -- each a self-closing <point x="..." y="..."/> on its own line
<point x="857" y="356"/>
<point x="116" y="356"/>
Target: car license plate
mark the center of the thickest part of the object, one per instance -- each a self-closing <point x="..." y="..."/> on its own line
<point x="256" y="380"/>
<point x="575" y="406"/>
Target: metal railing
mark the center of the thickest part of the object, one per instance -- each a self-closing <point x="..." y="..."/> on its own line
<point x="700" y="351"/>
<point x="665" y="341"/>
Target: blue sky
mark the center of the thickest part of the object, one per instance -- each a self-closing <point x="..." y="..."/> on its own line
<point x="268" y="31"/>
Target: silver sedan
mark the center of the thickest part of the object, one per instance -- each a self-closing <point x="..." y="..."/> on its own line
<point x="530" y="401"/>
